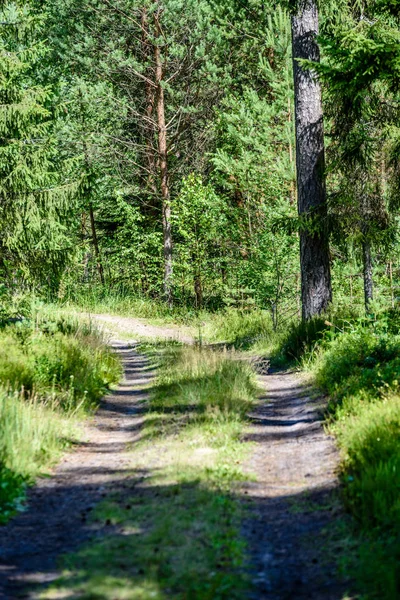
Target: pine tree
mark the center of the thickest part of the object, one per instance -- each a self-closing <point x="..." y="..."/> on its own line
<point x="361" y="71"/>
<point x="316" y="289"/>
<point x="34" y="207"/>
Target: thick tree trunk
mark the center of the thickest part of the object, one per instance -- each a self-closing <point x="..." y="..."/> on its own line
<point x="368" y="281"/>
<point x="163" y="165"/>
<point x="95" y="242"/>
<point x="316" y="291"/>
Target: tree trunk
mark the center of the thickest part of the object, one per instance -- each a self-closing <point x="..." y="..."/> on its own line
<point x="368" y="281"/>
<point x="391" y="283"/>
<point x="150" y="101"/>
<point x="163" y="165"/>
<point x="198" y="291"/>
<point x="316" y="291"/>
<point x="96" y="245"/>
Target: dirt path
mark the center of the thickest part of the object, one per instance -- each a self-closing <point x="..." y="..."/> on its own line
<point x="293" y="500"/>
<point x="56" y="520"/>
<point x="141" y="329"/>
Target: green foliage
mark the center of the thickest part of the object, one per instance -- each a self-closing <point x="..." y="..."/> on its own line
<point x="48" y="372"/>
<point x="32" y="437"/>
<point x="69" y="368"/>
<point x="360" y="370"/>
<point x="201" y="385"/>
<point x="36" y="199"/>
<point x="238" y="328"/>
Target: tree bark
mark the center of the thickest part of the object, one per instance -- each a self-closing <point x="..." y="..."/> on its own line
<point x="150" y="101"/>
<point x="96" y="245"/>
<point x="316" y="291"/>
<point x="163" y="165"/>
<point x="368" y="281"/>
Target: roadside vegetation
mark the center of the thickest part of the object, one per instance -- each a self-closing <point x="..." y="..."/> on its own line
<point x="53" y="371"/>
<point x="179" y="530"/>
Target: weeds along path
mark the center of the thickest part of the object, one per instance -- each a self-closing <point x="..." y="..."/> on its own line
<point x="294" y="501"/>
<point x="56" y="520"/>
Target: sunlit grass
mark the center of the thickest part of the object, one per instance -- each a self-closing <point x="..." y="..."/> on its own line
<point x="53" y="370"/>
<point x="177" y="532"/>
<point x="360" y="370"/>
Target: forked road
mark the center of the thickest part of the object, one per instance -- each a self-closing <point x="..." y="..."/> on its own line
<point x="292" y="500"/>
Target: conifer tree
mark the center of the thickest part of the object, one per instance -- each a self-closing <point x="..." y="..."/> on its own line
<point x="34" y="207"/>
<point x="360" y="72"/>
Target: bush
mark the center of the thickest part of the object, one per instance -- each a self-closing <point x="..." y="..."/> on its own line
<point x="360" y="369"/>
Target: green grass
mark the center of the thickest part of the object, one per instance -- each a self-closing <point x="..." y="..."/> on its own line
<point x="178" y="531"/>
<point x="235" y="327"/>
<point x="32" y="437"/>
<point x="52" y="371"/>
<point x="360" y="370"/>
<point x="239" y="329"/>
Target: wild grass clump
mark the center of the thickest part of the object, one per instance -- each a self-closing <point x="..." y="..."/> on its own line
<point x="301" y="339"/>
<point x="32" y="436"/>
<point x="239" y="328"/>
<point x="57" y="360"/>
<point x="51" y="369"/>
<point x="198" y="385"/>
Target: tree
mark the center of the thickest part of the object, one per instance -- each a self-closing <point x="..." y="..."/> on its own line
<point x="316" y="289"/>
<point x="36" y="201"/>
<point x="360" y="72"/>
<point x="158" y="57"/>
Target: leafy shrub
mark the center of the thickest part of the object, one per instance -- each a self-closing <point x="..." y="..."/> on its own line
<point x="362" y="360"/>
<point x="360" y="369"/>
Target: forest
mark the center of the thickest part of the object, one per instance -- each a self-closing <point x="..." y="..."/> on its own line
<point x="200" y="276"/>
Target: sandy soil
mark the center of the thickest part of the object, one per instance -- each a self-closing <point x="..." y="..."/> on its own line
<point x="294" y="500"/>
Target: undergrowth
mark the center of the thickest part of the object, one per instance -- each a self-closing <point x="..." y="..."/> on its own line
<point x="357" y="363"/>
<point x="52" y="370"/>
<point x="179" y="529"/>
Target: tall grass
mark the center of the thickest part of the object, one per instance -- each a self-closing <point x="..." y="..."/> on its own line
<point x="32" y="436"/>
<point x="197" y="385"/>
<point x="360" y="369"/>
<point x="52" y="370"/>
<point x="241" y="329"/>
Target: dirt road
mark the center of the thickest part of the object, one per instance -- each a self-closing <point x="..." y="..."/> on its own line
<point x="292" y="502"/>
